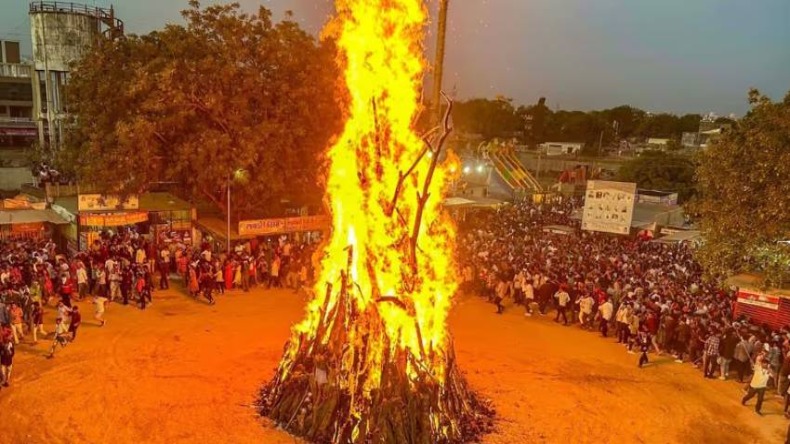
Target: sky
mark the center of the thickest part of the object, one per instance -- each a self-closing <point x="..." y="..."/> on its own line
<point x="661" y="56"/>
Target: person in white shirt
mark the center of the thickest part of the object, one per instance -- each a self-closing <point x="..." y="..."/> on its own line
<point x="529" y="296"/>
<point x="605" y="310"/>
<point x="585" y="310"/>
<point x="61" y="338"/>
<point x="99" y="302"/>
<point x="563" y="298"/>
<point x="518" y="283"/>
<point x="82" y="280"/>
<point x="758" y="385"/>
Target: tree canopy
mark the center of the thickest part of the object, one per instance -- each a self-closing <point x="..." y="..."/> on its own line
<point x="536" y="124"/>
<point x="744" y="194"/>
<point x="659" y="170"/>
<point x="193" y="104"/>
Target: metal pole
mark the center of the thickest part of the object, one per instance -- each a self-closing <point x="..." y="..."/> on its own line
<point x="228" y="232"/>
<point x="438" y="72"/>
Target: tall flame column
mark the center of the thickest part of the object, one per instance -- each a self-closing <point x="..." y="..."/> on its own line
<point x="372" y="361"/>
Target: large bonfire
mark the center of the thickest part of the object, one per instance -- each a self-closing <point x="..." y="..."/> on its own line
<point x="373" y="362"/>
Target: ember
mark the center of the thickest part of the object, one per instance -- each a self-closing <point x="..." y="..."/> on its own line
<point x="373" y="361"/>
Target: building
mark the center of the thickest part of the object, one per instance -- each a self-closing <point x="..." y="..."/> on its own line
<point x="657" y="197"/>
<point x="17" y="128"/>
<point x="560" y="148"/>
<point x="711" y="128"/>
<point x="657" y="144"/>
<point x="690" y="140"/>
<point x="60" y="33"/>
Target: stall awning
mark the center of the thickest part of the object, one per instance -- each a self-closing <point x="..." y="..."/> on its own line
<point x="219" y="228"/>
<point x="12" y="217"/>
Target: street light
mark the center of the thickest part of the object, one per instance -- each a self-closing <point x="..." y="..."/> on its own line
<point x="236" y="175"/>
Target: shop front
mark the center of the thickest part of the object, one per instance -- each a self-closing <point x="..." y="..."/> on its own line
<point x="29" y="224"/>
<point x="213" y="231"/>
<point x="92" y="225"/>
<point x="159" y="217"/>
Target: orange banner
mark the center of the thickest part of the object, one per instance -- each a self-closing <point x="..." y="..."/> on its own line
<point x="27" y="228"/>
<point x="112" y="220"/>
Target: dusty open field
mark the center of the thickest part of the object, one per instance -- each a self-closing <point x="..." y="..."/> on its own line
<point x="185" y="372"/>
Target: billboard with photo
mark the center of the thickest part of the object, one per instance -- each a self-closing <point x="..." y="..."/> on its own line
<point x="609" y="206"/>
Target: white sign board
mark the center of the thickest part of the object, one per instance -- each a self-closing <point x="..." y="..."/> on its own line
<point x="609" y="206"/>
<point x="106" y="202"/>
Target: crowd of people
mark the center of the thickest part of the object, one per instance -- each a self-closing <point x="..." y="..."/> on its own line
<point x="648" y="296"/>
<point x="123" y="267"/>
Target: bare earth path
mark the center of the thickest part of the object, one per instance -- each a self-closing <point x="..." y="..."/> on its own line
<point x="185" y="372"/>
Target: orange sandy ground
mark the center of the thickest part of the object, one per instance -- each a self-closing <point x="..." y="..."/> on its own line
<point x="186" y="372"/>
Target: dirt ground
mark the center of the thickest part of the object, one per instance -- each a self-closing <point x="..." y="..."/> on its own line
<point x="186" y="372"/>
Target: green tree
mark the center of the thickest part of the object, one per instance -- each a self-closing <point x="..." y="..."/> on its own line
<point x="194" y="103"/>
<point x="489" y="118"/>
<point x="744" y="194"/>
<point x="660" y="170"/>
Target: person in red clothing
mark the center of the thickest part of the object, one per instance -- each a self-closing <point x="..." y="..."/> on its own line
<point x="76" y="320"/>
<point x="228" y="275"/>
<point x="651" y="322"/>
<point x="66" y="289"/>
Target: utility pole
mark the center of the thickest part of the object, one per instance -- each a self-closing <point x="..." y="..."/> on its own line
<point x="227" y="251"/>
<point x="438" y="65"/>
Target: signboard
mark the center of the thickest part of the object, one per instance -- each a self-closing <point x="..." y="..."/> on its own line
<point x="608" y="206"/>
<point x="27" y="228"/>
<point x="106" y="202"/>
<point x="661" y="199"/>
<point x="758" y="299"/>
<point x="112" y="220"/>
<point x="22" y="204"/>
<point x="266" y="227"/>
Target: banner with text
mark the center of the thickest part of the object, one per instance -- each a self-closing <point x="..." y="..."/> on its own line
<point x="106" y="202"/>
<point x="609" y="206"/>
<point x="112" y="220"/>
<point x="758" y="299"/>
<point x="266" y="227"/>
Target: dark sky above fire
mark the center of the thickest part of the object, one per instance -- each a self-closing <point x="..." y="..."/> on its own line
<point x="668" y="55"/>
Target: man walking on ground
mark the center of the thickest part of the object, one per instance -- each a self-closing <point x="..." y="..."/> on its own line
<point x="37" y="321"/>
<point x="605" y="311"/>
<point x="644" y="346"/>
<point x="82" y="280"/>
<point x="585" y="310"/>
<point x="100" y="302"/>
<point x="562" y="304"/>
<point x="758" y="385"/>
<point x="76" y="320"/>
<point x="6" y="361"/>
<point x="728" y="344"/>
<point x="60" y="337"/>
<point x="710" y="354"/>
<point x="16" y="314"/>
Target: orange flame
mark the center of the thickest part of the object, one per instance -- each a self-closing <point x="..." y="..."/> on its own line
<point x="381" y="53"/>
